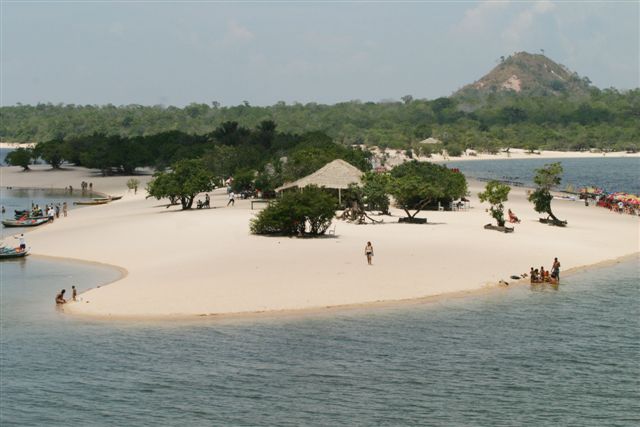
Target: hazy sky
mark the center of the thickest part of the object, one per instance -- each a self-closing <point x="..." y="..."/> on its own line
<point x="174" y="53"/>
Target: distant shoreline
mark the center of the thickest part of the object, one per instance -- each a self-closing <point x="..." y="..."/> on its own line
<point x="17" y="144"/>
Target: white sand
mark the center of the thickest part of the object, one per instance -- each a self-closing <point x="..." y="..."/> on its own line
<point x="206" y="262"/>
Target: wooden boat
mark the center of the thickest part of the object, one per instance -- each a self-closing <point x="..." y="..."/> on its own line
<point x="24" y="222"/>
<point x="92" y="202"/>
<point x="116" y="197"/>
<point x="6" y="253"/>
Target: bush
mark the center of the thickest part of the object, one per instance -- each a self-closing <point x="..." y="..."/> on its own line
<point x="308" y="212"/>
<point x="454" y="150"/>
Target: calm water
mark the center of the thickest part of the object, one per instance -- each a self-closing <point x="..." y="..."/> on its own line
<point x="612" y="174"/>
<point x="517" y="356"/>
<point x="22" y="198"/>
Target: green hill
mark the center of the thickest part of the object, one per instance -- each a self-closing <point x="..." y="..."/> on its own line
<point x="526" y="74"/>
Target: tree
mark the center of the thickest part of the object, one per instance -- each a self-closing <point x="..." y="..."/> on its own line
<point x="132" y="184"/>
<point x="52" y="152"/>
<point x="20" y="157"/>
<point x="546" y="178"/>
<point x="307" y="212"/>
<point x="186" y="179"/>
<point x="375" y="191"/>
<point x="415" y="185"/>
<point x="496" y="194"/>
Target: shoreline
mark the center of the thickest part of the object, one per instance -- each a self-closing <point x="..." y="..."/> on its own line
<point x="213" y="268"/>
<point x="320" y="311"/>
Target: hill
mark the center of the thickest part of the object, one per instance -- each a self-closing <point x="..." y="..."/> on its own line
<point x="526" y="74"/>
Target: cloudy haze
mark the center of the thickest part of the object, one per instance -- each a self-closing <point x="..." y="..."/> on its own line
<point x="182" y="52"/>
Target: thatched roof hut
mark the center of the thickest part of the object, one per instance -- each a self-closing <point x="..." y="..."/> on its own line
<point x="336" y="175"/>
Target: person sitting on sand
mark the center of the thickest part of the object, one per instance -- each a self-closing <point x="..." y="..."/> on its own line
<point x="513" y="218"/>
<point x="60" y="297"/>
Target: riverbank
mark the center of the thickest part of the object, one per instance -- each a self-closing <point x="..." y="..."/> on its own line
<point x="205" y="262"/>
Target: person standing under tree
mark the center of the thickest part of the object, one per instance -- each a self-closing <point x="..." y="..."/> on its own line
<point x="368" y="251"/>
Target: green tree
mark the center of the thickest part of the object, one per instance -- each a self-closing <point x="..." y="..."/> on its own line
<point x="53" y="152"/>
<point x="546" y="178"/>
<point x="132" y="184"/>
<point x="415" y="185"/>
<point x="375" y="191"/>
<point x="243" y="180"/>
<point x="186" y="179"/>
<point x="20" y="157"/>
<point x="496" y="193"/>
<point x="307" y="212"/>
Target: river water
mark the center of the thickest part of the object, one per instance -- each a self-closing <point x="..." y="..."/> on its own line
<point x="516" y="356"/>
<point x="611" y="173"/>
<point x="522" y="355"/>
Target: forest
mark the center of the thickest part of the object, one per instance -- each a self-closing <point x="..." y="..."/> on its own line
<point x="602" y="119"/>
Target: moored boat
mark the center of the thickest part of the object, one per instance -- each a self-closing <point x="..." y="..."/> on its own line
<point x="29" y="222"/>
<point x="101" y="201"/>
<point x="6" y="252"/>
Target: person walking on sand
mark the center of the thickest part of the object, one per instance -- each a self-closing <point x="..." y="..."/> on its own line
<point x="64" y="209"/>
<point x="232" y="199"/>
<point x="60" y="297"/>
<point x="368" y="251"/>
<point x="74" y="293"/>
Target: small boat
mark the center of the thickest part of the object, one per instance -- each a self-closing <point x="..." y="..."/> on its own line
<point x="24" y="222"/>
<point x="92" y="202"/>
<point x="116" y="197"/>
<point x="28" y="213"/>
<point x="6" y="252"/>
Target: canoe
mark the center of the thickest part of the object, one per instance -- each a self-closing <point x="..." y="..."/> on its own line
<point x="116" y="197"/>
<point x="92" y="202"/>
<point x="6" y="252"/>
<point x="24" y="223"/>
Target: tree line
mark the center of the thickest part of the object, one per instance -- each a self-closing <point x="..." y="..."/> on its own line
<point x="605" y="119"/>
<point x="261" y="157"/>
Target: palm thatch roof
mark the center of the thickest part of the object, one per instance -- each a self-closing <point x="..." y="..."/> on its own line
<point x="337" y="174"/>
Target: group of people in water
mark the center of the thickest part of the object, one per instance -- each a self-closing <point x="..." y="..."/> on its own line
<point x="60" y="296"/>
<point x="546" y="276"/>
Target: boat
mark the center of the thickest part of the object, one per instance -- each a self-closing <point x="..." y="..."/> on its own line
<point x="24" y="222"/>
<point x="29" y="213"/>
<point x="6" y="252"/>
<point x="116" y="197"/>
<point x="101" y="201"/>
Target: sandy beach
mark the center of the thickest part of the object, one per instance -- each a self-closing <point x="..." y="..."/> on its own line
<point x="205" y="262"/>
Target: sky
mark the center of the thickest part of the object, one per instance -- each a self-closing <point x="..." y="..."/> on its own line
<point x="179" y="52"/>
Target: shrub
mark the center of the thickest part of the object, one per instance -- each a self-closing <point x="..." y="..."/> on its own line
<point x="308" y="212"/>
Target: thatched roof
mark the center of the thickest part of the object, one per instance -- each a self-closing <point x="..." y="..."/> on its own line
<point x="337" y="174"/>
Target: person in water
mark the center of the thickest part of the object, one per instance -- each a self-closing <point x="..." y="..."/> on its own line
<point x="368" y="251"/>
<point x="60" y="297"/>
<point x="74" y="293"/>
<point x="555" y="269"/>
